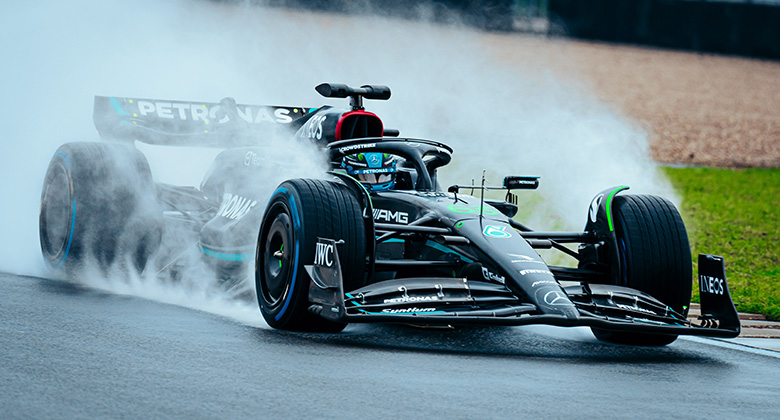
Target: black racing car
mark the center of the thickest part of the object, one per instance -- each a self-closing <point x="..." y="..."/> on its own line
<point x="377" y="239"/>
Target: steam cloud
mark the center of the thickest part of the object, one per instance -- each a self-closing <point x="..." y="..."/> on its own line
<point x="58" y="55"/>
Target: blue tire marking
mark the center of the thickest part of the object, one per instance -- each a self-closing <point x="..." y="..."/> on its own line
<point x="278" y="190"/>
<point x="64" y="157"/>
<point x="292" y="285"/>
<point x="297" y="223"/>
<point x="70" y="236"/>
<point x="294" y="209"/>
<point x="623" y="261"/>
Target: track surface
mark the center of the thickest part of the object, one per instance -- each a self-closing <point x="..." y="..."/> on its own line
<point x="73" y="352"/>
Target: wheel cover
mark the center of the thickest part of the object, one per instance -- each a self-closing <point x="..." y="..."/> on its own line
<point x="57" y="210"/>
<point x="277" y="253"/>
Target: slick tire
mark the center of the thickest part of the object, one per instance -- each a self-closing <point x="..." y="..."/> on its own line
<point x="656" y="259"/>
<point x="98" y="205"/>
<point x="300" y="211"/>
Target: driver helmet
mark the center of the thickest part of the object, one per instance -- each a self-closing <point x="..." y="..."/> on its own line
<point x="376" y="171"/>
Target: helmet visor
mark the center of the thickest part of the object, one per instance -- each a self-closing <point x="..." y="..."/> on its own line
<point x="375" y="178"/>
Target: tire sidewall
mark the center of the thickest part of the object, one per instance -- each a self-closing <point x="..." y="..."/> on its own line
<point x="284" y="310"/>
<point x="59" y="165"/>
<point x="113" y="215"/>
<point x="317" y="208"/>
<point x="631" y="248"/>
<point x="644" y="250"/>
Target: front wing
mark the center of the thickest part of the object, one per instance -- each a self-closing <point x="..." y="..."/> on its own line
<point x="459" y="301"/>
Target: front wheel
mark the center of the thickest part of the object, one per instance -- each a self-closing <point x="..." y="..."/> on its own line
<point x="655" y="258"/>
<point x="300" y="211"/>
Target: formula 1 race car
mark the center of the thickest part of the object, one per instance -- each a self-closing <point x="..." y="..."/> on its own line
<point x="376" y="239"/>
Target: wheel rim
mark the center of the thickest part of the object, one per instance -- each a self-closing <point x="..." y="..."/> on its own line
<point x="56" y="213"/>
<point x="277" y="255"/>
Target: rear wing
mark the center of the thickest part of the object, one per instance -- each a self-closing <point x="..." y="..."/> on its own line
<point x="180" y="123"/>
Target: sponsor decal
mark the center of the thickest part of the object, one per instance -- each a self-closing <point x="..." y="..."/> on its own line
<point x="524" y="272"/>
<point x="374" y="159"/>
<point x="488" y="275"/>
<point x="391" y="216"/>
<point x="556" y="298"/>
<point x="496" y="232"/>
<point x="552" y="296"/>
<point x="469" y="209"/>
<point x="710" y="284"/>
<point x="201" y="112"/>
<point x="429" y="193"/>
<point x="323" y="255"/>
<point x="347" y="149"/>
<point x="635" y="308"/>
<point x="374" y="171"/>
<point x="405" y="299"/>
<point x="407" y="310"/>
<point x="313" y="128"/>
<point x="252" y="159"/>
<point x="649" y="321"/>
<point x="594" y="207"/>
<point x="537" y="283"/>
<point x="235" y="207"/>
<point x="524" y="259"/>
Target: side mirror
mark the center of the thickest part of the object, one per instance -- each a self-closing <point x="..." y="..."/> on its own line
<point x="521" y="182"/>
<point x="508" y="209"/>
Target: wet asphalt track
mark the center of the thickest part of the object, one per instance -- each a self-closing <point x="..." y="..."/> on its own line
<point x="72" y="352"/>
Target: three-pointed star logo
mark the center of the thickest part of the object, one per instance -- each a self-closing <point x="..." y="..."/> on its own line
<point x="496" y="232"/>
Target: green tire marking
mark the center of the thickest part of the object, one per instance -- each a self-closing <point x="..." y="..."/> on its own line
<point x="609" y="207"/>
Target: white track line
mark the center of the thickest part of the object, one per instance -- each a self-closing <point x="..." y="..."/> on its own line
<point x="734" y="346"/>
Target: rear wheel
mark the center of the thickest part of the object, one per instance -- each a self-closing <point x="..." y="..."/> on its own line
<point x="300" y="211"/>
<point x="655" y="258"/>
<point x="98" y="205"/>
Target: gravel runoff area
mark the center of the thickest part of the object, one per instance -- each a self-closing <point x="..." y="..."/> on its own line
<point x="699" y="109"/>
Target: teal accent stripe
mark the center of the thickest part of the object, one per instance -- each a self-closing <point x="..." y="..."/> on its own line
<point x="352" y="297"/>
<point x="436" y="246"/>
<point x="446" y="250"/>
<point x="228" y="257"/>
<point x="117" y="107"/>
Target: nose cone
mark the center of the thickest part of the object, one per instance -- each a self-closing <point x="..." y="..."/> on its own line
<point x="552" y="299"/>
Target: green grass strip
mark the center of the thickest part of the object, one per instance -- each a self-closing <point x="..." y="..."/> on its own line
<point x="736" y="214"/>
